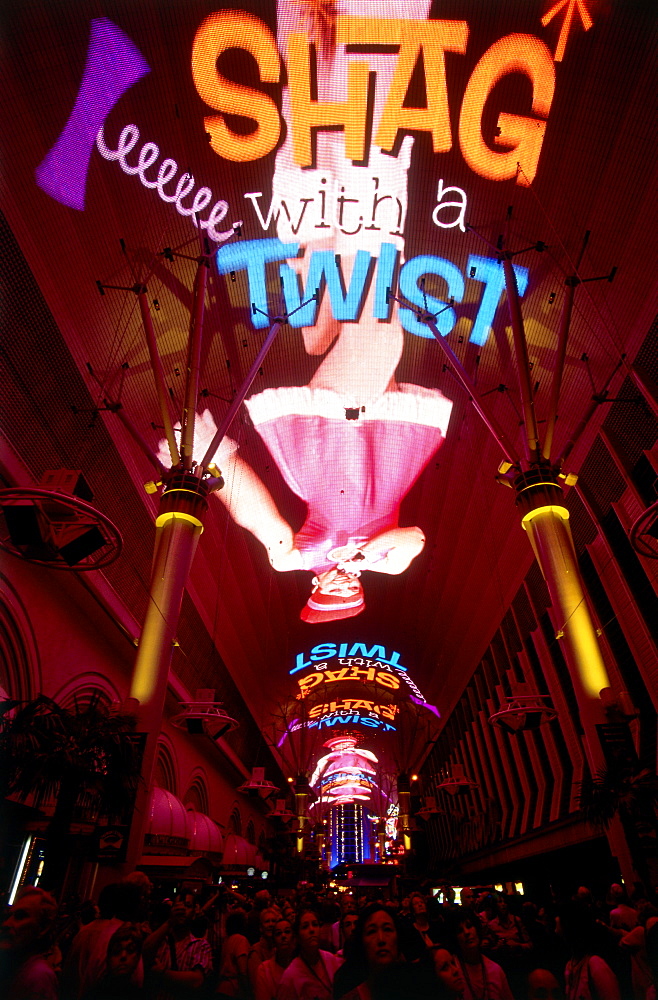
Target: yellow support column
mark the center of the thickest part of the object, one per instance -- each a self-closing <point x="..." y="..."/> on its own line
<point x="179" y="525"/>
<point x="546" y="521"/>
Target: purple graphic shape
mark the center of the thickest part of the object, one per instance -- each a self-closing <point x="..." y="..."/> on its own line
<point x="113" y="65"/>
<point x="433" y="709"/>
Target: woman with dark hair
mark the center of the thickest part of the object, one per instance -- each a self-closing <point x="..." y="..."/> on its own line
<point x="484" y="979"/>
<point x="587" y="976"/>
<point x="377" y="968"/>
<point x="451" y="982"/>
<point x="310" y="976"/>
<point x="124" y="951"/>
<point x="235" y="952"/>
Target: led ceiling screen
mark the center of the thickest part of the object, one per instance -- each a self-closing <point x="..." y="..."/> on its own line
<point x="355" y="169"/>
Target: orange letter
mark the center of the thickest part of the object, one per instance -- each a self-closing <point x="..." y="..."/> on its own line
<point x="432" y="38"/>
<point x="237" y="29"/>
<point x="388" y="680"/>
<point x="513" y="54"/>
<point x="308" y="114"/>
<point x="308" y="682"/>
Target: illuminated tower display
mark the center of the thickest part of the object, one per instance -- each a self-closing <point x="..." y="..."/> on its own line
<point x="350" y="829"/>
<point x="345" y="778"/>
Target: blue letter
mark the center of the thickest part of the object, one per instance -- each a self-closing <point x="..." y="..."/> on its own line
<point x="300" y="663"/>
<point x="254" y="255"/>
<point x="388" y="256"/>
<point x="344" y="306"/>
<point x="490" y="271"/>
<point x="374" y="652"/>
<point x="410" y="274"/>
<point x="324" y="651"/>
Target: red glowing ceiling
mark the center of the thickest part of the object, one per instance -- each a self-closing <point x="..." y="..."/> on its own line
<point x="479" y="88"/>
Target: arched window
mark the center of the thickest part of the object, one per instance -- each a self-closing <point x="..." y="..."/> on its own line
<point x="250" y="833"/>
<point x="165" y="769"/>
<point x="20" y="674"/>
<point x="235" y="822"/>
<point x="84" y="688"/>
<point x="196" y="797"/>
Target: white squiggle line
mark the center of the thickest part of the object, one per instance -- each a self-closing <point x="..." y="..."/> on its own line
<point x="148" y="154"/>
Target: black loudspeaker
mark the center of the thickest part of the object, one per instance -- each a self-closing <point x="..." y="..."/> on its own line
<point x="84" y="545"/>
<point x="23" y="524"/>
<point x="194" y="727"/>
<point x="24" y="529"/>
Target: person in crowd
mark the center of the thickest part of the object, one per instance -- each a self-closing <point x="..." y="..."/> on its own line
<point x="178" y="961"/>
<point x="26" y="938"/>
<point x="145" y="888"/>
<point x="377" y="968"/>
<point x="85" y="964"/>
<point x="452" y="984"/>
<point x="484" y="978"/>
<point x="512" y="945"/>
<point x="634" y="942"/>
<point x="88" y="911"/>
<point x="651" y="945"/>
<point x="543" y="985"/>
<point x="233" y="977"/>
<point x="328" y="912"/>
<point x="348" y="923"/>
<point x="347" y="904"/>
<point x="623" y="917"/>
<point x="426" y="932"/>
<point x="263" y="950"/>
<point x="549" y="950"/>
<point x="269" y="973"/>
<point x="587" y="975"/>
<point x="210" y="907"/>
<point x="124" y="952"/>
<point x="310" y="976"/>
<point x="512" y="939"/>
<point x="261" y="901"/>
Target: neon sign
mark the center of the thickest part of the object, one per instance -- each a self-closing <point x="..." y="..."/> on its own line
<point x="326" y="650"/>
<point x="353" y="705"/>
<point x="355" y="664"/>
<point x="334" y="718"/>
<point x="342" y="674"/>
<point x="520" y="138"/>
<point x="252" y="256"/>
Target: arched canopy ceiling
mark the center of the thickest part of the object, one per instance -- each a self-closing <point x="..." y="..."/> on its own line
<point x="398" y="145"/>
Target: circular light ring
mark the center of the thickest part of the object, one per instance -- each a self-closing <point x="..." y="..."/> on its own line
<point x="641" y="536"/>
<point x="79" y="507"/>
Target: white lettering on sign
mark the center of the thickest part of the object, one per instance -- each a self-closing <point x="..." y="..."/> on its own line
<point x="461" y="205"/>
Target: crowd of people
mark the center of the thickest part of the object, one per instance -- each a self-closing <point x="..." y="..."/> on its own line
<point x="310" y="944"/>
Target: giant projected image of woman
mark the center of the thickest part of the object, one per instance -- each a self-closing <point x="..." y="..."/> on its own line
<point x="352" y="442"/>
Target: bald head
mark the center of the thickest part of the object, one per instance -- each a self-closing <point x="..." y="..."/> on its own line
<point x="542" y="985"/>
